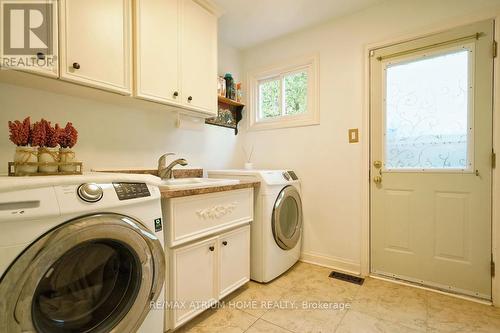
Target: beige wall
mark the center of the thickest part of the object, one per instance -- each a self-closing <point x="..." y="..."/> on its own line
<point x="230" y="61"/>
<point x="115" y="131"/>
<point x="330" y="167"/>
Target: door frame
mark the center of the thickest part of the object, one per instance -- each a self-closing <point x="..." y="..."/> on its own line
<point x="365" y="263"/>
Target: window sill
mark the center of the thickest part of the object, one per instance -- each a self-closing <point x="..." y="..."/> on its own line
<point x="281" y="123"/>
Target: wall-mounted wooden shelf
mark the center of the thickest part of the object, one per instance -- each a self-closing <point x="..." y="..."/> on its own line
<point x="229" y="101"/>
<point x="227" y="120"/>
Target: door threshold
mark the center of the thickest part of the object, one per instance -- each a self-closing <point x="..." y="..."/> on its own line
<point x="437" y="291"/>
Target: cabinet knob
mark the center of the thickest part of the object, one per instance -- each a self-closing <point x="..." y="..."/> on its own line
<point x="176" y="93"/>
<point x="76" y="65"/>
<point x="40" y="56"/>
<point x="224" y="243"/>
<point x="190" y="98"/>
<point x="211" y="248"/>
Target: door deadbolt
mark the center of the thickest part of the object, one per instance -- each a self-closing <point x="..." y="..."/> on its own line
<point x="377" y="164"/>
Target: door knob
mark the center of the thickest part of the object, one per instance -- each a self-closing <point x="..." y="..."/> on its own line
<point x="190" y="98"/>
<point x="224" y="243"/>
<point x="377" y="164"/>
<point x="377" y="179"/>
<point x="211" y="248"/>
<point x="176" y="93"/>
<point x="76" y="65"/>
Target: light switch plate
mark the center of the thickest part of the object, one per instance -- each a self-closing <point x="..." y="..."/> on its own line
<point x="353" y="135"/>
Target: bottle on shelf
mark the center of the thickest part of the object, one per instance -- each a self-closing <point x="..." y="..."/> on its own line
<point x="238" y="93"/>
<point x="230" y="86"/>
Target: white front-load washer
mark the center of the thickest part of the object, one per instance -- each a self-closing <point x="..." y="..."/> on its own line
<point x="278" y="218"/>
<point x="81" y="254"/>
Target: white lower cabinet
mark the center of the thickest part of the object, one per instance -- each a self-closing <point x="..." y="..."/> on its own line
<point x="194" y="280"/>
<point x="203" y="272"/>
<point x="234" y="254"/>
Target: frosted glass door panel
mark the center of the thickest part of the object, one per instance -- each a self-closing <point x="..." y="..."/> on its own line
<point x="428" y="112"/>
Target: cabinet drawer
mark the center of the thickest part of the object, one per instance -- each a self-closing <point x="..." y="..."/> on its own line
<point x="201" y="215"/>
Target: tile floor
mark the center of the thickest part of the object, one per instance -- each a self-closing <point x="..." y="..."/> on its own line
<point x="377" y="306"/>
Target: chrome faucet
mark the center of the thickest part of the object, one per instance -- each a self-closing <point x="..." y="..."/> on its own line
<point x="166" y="172"/>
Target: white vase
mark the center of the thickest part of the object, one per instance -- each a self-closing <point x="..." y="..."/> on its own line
<point x="25" y="154"/>
<point x="67" y="155"/>
<point x="48" y="155"/>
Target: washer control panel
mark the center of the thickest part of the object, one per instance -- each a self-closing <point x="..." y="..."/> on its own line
<point x="127" y="191"/>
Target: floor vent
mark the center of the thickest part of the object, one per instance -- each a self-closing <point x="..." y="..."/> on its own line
<point x="347" y="278"/>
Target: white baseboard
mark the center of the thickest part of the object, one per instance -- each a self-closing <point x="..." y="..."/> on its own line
<point x="337" y="264"/>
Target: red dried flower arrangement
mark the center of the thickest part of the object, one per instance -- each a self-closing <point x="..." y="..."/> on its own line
<point x="39" y="134"/>
<point x="20" y="132"/>
<point x="42" y="134"/>
<point x="51" y="134"/>
<point x="68" y="136"/>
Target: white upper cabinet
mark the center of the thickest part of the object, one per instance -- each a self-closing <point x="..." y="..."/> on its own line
<point x="157" y="51"/>
<point x="95" y="38"/>
<point x="176" y="54"/>
<point x="199" y="57"/>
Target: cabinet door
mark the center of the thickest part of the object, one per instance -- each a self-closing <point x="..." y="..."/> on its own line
<point x="43" y="44"/>
<point x="95" y="43"/>
<point x="157" y="50"/>
<point x="234" y="260"/>
<point x="193" y="279"/>
<point x="199" y="58"/>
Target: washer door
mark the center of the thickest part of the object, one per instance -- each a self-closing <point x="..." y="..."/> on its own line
<point x="94" y="274"/>
<point x="287" y="218"/>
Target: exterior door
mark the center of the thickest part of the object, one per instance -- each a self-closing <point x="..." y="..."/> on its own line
<point x="431" y="167"/>
<point x="287" y="218"/>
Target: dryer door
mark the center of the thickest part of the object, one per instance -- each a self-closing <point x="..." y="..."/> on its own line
<point x="93" y="274"/>
<point x="287" y="218"/>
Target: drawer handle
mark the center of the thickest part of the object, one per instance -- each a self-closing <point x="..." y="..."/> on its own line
<point x="216" y="212"/>
<point x="224" y="243"/>
<point x="211" y="248"/>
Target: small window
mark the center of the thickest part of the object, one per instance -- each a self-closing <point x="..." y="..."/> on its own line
<point x="285" y="96"/>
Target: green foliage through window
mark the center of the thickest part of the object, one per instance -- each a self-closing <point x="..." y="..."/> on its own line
<point x="270" y="96"/>
<point x="296" y="93"/>
<point x="295" y="99"/>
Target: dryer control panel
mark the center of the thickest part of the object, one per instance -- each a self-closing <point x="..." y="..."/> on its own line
<point x="126" y="191"/>
<point x="293" y="175"/>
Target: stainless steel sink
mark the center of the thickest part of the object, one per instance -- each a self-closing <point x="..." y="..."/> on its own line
<point x="188" y="183"/>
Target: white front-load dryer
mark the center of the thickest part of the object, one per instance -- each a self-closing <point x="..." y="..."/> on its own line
<point x="81" y="254"/>
<point x="278" y="220"/>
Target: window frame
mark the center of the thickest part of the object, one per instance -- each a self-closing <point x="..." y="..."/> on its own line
<point x="308" y="64"/>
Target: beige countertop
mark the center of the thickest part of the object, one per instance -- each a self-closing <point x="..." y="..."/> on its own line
<point x="186" y="173"/>
<point x="176" y="193"/>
